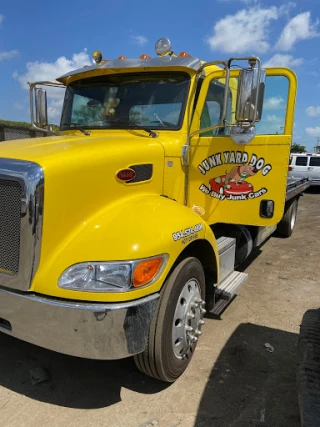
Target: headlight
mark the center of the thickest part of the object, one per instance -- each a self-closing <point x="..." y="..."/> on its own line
<point x="112" y="276"/>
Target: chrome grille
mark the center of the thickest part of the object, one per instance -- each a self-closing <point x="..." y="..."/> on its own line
<point x="10" y="217"/>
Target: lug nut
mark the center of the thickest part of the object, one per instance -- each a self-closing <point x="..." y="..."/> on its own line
<point x="194" y="339"/>
<point x="189" y="328"/>
<point x="198" y="300"/>
<point x="203" y="311"/>
<point x="190" y="316"/>
<point x="194" y="305"/>
<point x="197" y="333"/>
<point x="201" y="322"/>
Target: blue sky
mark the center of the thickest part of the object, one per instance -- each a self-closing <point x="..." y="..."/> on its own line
<point x="41" y="41"/>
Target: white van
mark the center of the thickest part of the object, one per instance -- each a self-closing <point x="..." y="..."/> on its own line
<point x="305" y="165"/>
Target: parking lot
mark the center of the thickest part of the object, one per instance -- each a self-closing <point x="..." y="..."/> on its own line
<point x="233" y="380"/>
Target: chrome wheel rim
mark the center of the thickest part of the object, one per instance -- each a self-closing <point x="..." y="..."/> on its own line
<point x="187" y="320"/>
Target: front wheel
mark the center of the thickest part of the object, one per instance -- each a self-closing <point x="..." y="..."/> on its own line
<point x="177" y="323"/>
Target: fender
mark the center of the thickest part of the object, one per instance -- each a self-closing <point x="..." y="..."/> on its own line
<point x="132" y="228"/>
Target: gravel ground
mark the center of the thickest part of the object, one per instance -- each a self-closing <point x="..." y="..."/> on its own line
<point x="232" y="380"/>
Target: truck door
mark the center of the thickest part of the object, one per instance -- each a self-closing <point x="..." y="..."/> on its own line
<point x="242" y="184"/>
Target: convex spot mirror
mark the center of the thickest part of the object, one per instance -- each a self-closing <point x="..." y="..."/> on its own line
<point x="251" y="85"/>
<point x="41" y="107"/>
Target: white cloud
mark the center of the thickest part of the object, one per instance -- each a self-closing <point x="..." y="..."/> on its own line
<point x="274" y="103"/>
<point x="39" y="71"/>
<point x="42" y="71"/>
<point x="271" y="124"/>
<point x="313" y="131"/>
<point x="244" y="31"/>
<point x="298" y="28"/>
<point x="8" y="55"/>
<point x="279" y="60"/>
<point x="313" y="111"/>
<point x="139" y="40"/>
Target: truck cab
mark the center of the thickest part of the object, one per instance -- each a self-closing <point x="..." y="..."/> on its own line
<point x="120" y="232"/>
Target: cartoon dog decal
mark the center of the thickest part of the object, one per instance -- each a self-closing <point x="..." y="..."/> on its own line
<point x="238" y="174"/>
<point x="234" y="182"/>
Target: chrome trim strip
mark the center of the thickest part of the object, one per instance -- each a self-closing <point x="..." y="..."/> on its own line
<point x="83" y="329"/>
<point x="31" y="178"/>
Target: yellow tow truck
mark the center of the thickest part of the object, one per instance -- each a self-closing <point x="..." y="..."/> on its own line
<point x="119" y="233"/>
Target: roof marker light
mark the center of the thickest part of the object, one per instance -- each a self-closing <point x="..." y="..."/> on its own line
<point x="145" y="56"/>
<point x="184" y="54"/>
<point x="122" y="57"/>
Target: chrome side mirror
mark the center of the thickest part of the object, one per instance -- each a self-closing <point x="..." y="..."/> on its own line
<point x="41" y="107"/>
<point x="251" y="86"/>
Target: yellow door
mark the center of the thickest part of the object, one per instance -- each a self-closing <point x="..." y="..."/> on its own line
<point x="242" y="184"/>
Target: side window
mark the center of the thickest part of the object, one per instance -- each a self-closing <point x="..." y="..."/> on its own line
<point x="274" y="106"/>
<point x="301" y="161"/>
<point x="213" y="106"/>
<point x="290" y="161"/>
<point x="314" y="161"/>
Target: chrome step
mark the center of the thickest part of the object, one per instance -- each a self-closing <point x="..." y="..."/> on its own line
<point x="229" y="286"/>
<point x="226" y="292"/>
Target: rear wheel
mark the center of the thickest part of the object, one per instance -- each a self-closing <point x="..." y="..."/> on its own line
<point x="177" y="323"/>
<point x="286" y="225"/>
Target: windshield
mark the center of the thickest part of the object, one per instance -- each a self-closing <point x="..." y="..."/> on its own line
<point x="121" y="101"/>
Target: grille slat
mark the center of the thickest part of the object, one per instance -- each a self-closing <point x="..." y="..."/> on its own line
<point x="10" y="217"/>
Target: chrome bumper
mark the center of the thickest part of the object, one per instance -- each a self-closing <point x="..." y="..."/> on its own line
<point x="83" y="329"/>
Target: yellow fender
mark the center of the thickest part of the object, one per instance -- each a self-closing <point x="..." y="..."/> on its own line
<point x="132" y="228"/>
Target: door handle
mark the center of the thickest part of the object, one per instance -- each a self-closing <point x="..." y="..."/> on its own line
<point x="310" y="168"/>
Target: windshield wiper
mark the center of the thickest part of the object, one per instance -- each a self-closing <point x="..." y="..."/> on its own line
<point x="134" y="125"/>
<point x="78" y="126"/>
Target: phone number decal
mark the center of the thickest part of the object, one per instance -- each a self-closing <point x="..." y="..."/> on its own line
<point x="178" y="235"/>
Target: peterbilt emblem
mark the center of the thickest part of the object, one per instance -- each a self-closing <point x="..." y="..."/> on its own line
<point x="126" y="175"/>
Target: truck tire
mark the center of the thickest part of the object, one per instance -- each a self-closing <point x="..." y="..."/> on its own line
<point x="176" y="325"/>
<point x="286" y="225"/>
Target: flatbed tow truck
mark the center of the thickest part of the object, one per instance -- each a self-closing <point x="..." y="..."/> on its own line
<point x="118" y="234"/>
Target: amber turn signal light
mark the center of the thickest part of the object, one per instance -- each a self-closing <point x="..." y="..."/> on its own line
<point x="183" y="54"/>
<point x="146" y="271"/>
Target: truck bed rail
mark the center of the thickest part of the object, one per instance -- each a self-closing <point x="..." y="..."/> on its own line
<point x="296" y="186"/>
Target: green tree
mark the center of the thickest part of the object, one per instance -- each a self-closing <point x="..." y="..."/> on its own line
<point x="297" y="148"/>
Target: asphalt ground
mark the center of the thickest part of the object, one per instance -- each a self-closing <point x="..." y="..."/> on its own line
<point x="233" y="379"/>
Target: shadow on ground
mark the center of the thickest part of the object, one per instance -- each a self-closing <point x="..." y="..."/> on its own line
<point x="314" y="189"/>
<point x="72" y="382"/>
<point x="249" y="386"/>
